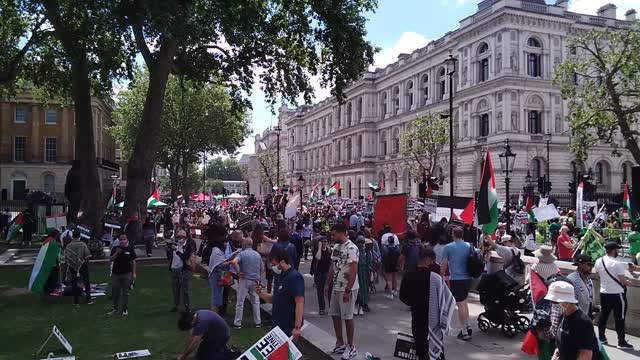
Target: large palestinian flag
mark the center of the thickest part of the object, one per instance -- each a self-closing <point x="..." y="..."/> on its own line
<point x="487" y="211"/>
<point x="153" y="199"/>
<point x="626" y="201"/>
<point x="14" y="227"/>
<point x="46" y="260"/>
<point x="333" y="190"/>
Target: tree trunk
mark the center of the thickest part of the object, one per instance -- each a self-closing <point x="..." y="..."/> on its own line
<point x="185" y="184"/>
<point x="145" y="151"/>
<point x="173" y="180"/>
<point x="627" y="134"/>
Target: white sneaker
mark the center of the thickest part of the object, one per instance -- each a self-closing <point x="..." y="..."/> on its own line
<point x="349" y="353"/>
<point x="390" y="296"/>
<point x="395" y="293"/>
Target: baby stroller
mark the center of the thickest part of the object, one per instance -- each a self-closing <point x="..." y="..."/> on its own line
<point x="503" y="300"/>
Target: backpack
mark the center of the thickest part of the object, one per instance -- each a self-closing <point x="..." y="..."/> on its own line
<point x="393" y="252"/>
<point x="516" y="263"/>
<point x="411" y="256"/>
<point x="475" y="263"/>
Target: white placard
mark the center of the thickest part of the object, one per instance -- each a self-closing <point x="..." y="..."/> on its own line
<point x="133" y="354"/>
<point x="430" y="205"/>
<point x="269" y="344"/>
<point x="543" y="202"/>
<point x="546" y="212"/>
<point x="62" y="339"/>
<point x="56" y="221"/>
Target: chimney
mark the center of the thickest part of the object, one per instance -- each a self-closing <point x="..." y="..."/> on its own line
<point x="562" y="3"/>
<point x="630" y="15"/>
<point x="608" y="11"/>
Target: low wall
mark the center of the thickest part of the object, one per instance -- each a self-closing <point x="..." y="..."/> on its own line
<point x="632" y="321"/>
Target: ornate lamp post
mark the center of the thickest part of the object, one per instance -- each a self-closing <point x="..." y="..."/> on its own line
<point x="507" y="161"/>
<point x="547" y="176"/>
<point x="277" y="129"/>
<point x="450" y="63"/>
<point x="300" y="186"/>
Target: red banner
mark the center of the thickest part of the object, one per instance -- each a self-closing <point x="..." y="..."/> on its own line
<point x="390" y="210"/>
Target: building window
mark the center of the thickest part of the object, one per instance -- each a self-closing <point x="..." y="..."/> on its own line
<point x="349" y="149"/>
<point x="338" y="117"/>
<point x="51" y="116"/>
<point x="534" y="66"/>
<point x="359" y="110"/>
<point x="383" y="144"/>
<point x="599" y="173"/>
<point x="396" y="100"/>
<point x="338" y="157"/>
<point x="484" y="125"/>
<point x="20" y="115"/>
<point x="483" y="48"/>
<point x="19" y="148"/>
<point x="425" y="89"/>
<point x="536" y="168"/>
<point x="118" y="155"/>
<point x="535" y="122"/>
<point x="383" y="105"/>
<point x="49" y="184"/>
<point x="443" y="86"/>
<point x="483" y="70"/>
<point x="359" y="144"/>
<point x="349" y="111"/>
<point x="533" y="42"/>
<point x="50" y="149"/>
<point x="410" y="94"/>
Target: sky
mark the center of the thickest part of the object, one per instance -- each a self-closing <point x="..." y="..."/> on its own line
<point x="401" y="26"/>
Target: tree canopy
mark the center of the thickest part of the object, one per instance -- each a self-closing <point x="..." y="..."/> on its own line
<point x="224" y="169"/>
<point x="600" y="78"/>
<point x="423" y="142"/>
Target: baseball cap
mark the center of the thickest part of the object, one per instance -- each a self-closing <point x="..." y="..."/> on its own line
<point x="612" y="245"/>
<point x="583" y="259"/>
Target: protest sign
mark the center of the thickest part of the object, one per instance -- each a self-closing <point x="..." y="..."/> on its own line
<point x="390" y="210"/>
<point x="543" y="202"/>
<point x="405" y="347"/>
<point x="133" y="354"/>
<point x="273" y="346"/>
<point x="85" y="232"/>
<point x="546" y="212"/>
<point x="430" y="205"/>
<point x="56" y="221"/>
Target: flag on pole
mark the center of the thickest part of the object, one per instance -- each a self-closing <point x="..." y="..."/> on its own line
<point x="45" y="261"/>
<point x="112" y="200"/>
<point x="487" y="211"/>
<point x="333" y="190"/>
<point x="520" y="199"/>
<point x="313" y="195"/>
<point x="529" y="209"/>
<point x="15" y="226"/>
<point x="153" y="199"/>
<point x="374" y="186"/>
<point x="626" y="201"/>
<point x="579" y="206"/>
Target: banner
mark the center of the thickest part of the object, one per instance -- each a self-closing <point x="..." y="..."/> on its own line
<point x="579" y="206"/>
<point x="546" y="212"/>
<point x="390" y="210"/>
<point x="276" y="345"/>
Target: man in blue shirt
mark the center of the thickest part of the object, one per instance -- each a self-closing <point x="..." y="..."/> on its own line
<point x="288" y="294"/>
<point x="209" y="333"/>
<point x="454" y="258"/>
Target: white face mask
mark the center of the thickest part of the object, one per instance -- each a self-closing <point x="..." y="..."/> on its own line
<point x="276" y="270"/>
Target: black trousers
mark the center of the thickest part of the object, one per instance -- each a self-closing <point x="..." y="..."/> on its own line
<point x="618" y="304"/>
<point x="75" y="283"/>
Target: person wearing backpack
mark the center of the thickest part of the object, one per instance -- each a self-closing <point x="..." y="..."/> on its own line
<point x="454" y="258"/>
<point x="409" y="253"/>
<point x="390" y="258"/>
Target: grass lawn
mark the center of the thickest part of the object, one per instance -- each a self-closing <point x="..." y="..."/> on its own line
<point x="26" y="320"/>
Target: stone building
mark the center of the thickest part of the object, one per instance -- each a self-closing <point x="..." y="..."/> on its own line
<point x="506" y="54"/>
<point x="37" y="145"/>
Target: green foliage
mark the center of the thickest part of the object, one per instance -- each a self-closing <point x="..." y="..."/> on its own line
<point x="215" y="185"/>
<point x="604" y="103"/>
<point x="423" y="142"/>
<point x="224" y="169"/>
<point x="268" y="164"/>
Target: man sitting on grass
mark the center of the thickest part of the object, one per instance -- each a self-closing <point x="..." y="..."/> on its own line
<point x="209" y="333"/>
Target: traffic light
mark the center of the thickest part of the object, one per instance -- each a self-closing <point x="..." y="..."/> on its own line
<point x="541" y="184"/>
<point x="432" y="182"/>
<point x="572" y="187"/>
<point x="548" y="187"/>
<point x="422" y="189"/>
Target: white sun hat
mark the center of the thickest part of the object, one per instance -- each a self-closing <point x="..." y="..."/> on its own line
<point x="561" y="292"/>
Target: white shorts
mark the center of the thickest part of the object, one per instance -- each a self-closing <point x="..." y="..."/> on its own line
<point x="344" y="310"/>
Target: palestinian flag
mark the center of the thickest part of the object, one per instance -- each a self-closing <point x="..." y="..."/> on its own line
<point x="529" y="209"/>
<point x="591" y="244"/>
<point x="626" y="201"/>
<point x="153" y="199"/>
<point x="374" y="186"/>
<point x="14" y="227"/>
<point x="313" y="195"/>
<point x="46" y="260"/>
<point x="333" y="190"/>
<point x="487" y="211"/>
<point x="112" y="200"/>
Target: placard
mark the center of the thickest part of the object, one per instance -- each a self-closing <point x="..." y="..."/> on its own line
<point x="62" y="339"/>
<point x="276" y="343"/>
<point x="546" y="212"/>
<point x="543" y="202"/>
<point x="430" y="205"/>
<point x="56" y="221"/>
<point x="85" y="232"/>
<point x="405" y="347"/>
<point x="133" y="354"/>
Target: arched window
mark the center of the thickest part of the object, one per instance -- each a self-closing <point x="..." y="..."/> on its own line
<point x="359" y="187"/>
<point x="483" y="64"/>
<point x="394" y="181"/>
<point x="602" y="173"/>
<point x="330" y="123"/>
<point x="349" y="148"/>
<point x="409" y="93"/>
<point x="49" y="183"/>
<point x="536" y="168"/>
<point x="382" y="183"/>
<point x="349" y="111"/>
<point x="483" y="48"/>
<point x="359" y="110"/>
<point x="425" y="89"/>
<point x="383" y="143"/>
<point x="443" y="83"/>
<point x="396" y="141"/>
<point x="396" y="100"/>
<point x="338" y="157"/>
<point x="383" y="105"/>
<point x="359" y="145"/>
<point x="534" y="58"/>
<point x="293" y="165"/>
<point x="533" y="42"/>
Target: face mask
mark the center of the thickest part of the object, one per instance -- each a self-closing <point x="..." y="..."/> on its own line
<point x="276" y="270"/>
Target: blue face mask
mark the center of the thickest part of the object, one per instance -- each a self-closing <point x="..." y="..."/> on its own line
<point x="276" y="270"/>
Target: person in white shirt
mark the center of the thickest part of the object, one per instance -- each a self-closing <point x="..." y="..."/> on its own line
<point x="530" y="243"/>
<point x="613" y="294"/>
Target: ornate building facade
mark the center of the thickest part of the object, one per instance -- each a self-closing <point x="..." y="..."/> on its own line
<point x="503" y="89"/>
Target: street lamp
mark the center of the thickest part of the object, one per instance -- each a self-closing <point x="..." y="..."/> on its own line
<point x="277" y="129"/>
<point x="547" y="175"/>
<point x="529" y="182"/>
<point x="507" y="161"/>
<point x="450" y="63"/>
<point x="300" y="186"/>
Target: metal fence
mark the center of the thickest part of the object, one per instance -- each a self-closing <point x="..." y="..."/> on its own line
<point x="567" y="200"/>
<point x="40" y="212"/>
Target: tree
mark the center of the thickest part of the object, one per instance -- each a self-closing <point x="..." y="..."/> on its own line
<point x="197" y="118"/>
<point x="279" y="43"/>
<point x="67" y="50"/>
<point x="423" y="142"/>
<point x="600" y="78"/>
<point x="268" y="161"/>
<point x="215" y="186"/>
<point x="224" y="169"/>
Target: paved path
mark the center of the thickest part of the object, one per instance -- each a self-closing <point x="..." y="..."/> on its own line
<point x="376" y="331"/>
